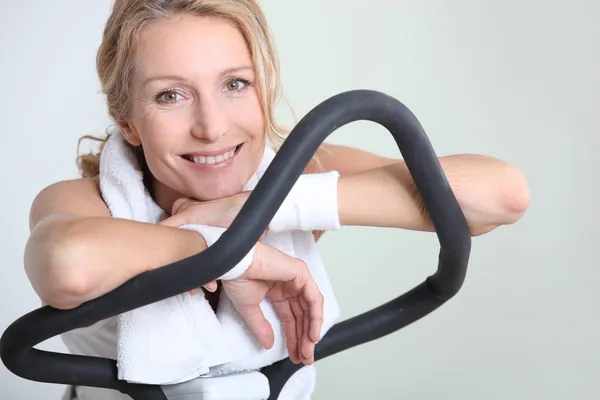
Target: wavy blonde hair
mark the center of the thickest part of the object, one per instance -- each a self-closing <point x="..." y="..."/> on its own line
<point x="114" y="60"/>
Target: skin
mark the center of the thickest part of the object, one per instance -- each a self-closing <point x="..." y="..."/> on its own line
<point x="185" y="101"/>
<point x="209" y="103"/>
<point x="212" y="104"/>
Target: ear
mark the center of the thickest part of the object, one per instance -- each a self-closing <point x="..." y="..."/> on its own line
<point x="129" y="133"/>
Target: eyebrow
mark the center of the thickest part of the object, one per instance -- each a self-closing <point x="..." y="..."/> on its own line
<point x="227" y="71"/>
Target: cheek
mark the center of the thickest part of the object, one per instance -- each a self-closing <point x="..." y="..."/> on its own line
<point x="159" y="130"/>
<point x="248" y="117"/>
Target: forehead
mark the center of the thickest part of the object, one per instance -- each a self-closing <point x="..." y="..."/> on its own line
<point x="190" y="46"/>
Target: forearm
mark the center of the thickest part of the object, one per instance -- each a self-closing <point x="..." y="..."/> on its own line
<point x="489" y="191"/>
<point x="72" y="261"/>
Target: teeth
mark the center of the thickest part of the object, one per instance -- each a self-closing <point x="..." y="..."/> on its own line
<point x="213" y="159"/>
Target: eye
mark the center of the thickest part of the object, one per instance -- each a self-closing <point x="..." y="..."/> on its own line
<point x="236" y="85"/>
<point x="168" y="96"/>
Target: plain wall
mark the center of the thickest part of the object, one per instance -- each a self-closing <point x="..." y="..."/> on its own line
<point x="518" y="80"/>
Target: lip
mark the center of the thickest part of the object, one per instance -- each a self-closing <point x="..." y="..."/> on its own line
<point x="216" y="166"/>
<point x="211" y="153"/>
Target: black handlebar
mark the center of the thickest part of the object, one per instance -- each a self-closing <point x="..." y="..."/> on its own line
<point x="17" y="343"/>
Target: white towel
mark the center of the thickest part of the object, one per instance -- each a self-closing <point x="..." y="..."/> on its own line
<point x="181" y="338"/>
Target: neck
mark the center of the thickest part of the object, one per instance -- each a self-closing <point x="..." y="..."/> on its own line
<point x="163" y="196"/>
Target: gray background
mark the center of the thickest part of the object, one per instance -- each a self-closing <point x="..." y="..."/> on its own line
<point x="518" y="80"/>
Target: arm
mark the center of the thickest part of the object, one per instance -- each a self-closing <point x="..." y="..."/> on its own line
<point x="379" y="191"/>
<point x="376" y="191"/>
<point x="77" y="252"/>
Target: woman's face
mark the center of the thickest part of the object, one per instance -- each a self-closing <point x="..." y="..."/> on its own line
<point x="195" y="109"/>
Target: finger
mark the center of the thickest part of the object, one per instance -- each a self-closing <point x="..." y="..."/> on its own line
<point x="314" y="299"/>
<point x="211" y="286"/>
<point x="258" y="324"/>
<point x="272" y="264"/>
<point x="193" y="292"/>
<point x="299" y="316"/>
<point x="308" y="346"/>
<point x="175" y="220"/>
<point x="288" y="321"/>
<point x="311" y="293"/>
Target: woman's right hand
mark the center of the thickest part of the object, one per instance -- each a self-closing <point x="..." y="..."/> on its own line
<point x="288" y="284"/>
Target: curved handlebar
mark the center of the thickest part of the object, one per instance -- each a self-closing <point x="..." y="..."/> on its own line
<point x="17" y="343"/>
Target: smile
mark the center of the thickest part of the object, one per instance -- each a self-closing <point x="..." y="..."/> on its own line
<point x="213" y="160"/>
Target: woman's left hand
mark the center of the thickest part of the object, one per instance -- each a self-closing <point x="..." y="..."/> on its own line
<point x="220" y="212"/>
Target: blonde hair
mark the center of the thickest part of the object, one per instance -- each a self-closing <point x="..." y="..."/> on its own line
<point x="114" y="60"/>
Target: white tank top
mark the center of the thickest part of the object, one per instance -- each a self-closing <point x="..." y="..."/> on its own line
<point x="100" y="340"/>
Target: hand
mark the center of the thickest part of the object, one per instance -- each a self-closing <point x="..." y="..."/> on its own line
<point x="288" y="284"/>
<point x="220" y="212"/>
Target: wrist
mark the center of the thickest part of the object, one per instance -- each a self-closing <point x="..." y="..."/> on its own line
<point x="210" y="235"/>
<point x="197" y="242"/>
<point x="312" y="204"/>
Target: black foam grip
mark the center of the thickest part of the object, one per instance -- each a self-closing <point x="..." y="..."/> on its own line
<point x="17" y="343"/>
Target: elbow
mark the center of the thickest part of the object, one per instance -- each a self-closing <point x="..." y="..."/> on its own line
<point x="516" y="195"/>
<point x="510" y="197"/>
<point x="69" y="284"/>
<point x="55" y="273"/>
<point x="65" y="293"/>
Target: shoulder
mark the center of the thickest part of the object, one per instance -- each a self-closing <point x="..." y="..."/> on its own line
<point x="345" y="159"/>
<point x="76" y="197"/>
<point x="86" y="184"/>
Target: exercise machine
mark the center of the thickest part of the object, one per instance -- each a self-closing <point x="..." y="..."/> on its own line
<point x="17" y="344"/>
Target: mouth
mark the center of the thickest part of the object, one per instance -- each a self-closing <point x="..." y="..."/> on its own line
<point x="205" y="159"/>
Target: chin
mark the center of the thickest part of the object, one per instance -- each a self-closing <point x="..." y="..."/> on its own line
<point x="218" y="191"/>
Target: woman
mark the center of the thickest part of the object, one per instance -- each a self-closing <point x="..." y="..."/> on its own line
<point x="191" y="86"/>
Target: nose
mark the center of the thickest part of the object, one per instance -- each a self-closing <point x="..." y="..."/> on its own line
<point x="211" y="122"/>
